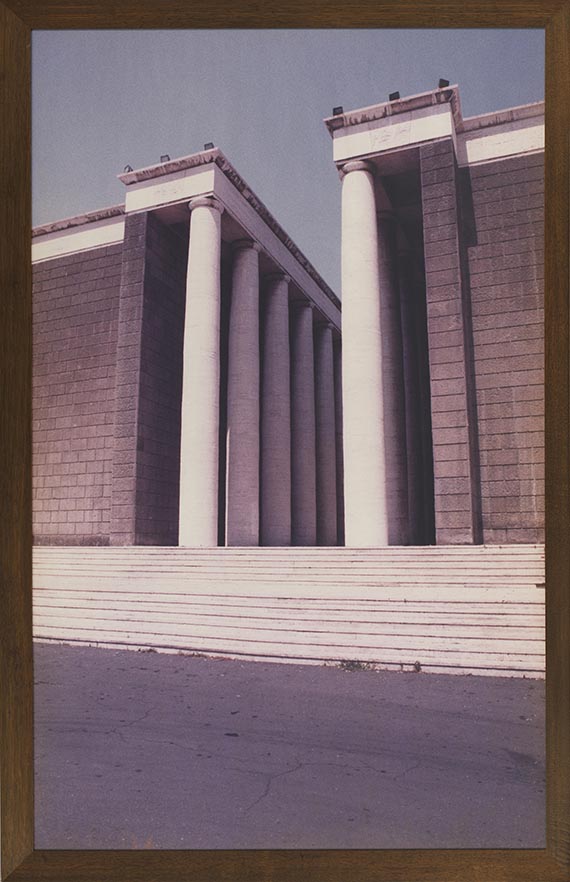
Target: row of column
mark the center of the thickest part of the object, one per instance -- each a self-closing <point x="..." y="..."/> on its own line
<point x="281" y="463"/>
<point x="381" y="421"/>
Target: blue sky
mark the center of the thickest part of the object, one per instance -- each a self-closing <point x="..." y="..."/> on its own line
<point x="105" y="99"/>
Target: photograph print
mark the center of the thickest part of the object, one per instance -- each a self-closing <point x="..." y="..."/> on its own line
<point x="288" y="439"/>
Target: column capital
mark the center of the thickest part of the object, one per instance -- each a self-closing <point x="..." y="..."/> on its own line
<point x="303" y="304"/>
<point x="277" y="276"/>
<point x="357" y="165"/>
<point x="206" y="202"/>
<point x="245" y="244"/>
<point x="322" y="322"/>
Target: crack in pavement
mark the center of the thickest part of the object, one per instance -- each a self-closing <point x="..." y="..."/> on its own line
<point x="270" y="779"/>
<point x="405" y="771"/>
<point x="116" y="730"/>
<point x="167" y="743"/>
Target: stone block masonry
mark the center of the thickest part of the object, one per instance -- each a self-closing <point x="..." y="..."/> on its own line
<point x="76" y="304"/>
<point x="484" y="273"/>
<point x="146" y="464"/>
<point x="185" y="380"/>
<point x="454" y="426"/>
<point x="506" y="264"/>
<point x="468" y="201"/>
<point x="187" y="360"/>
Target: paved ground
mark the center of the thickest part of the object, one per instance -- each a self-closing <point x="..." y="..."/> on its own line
<point x="138" y="750"/>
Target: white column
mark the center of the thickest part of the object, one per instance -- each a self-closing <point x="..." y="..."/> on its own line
<point x="303" y="438"/>
<point x="337" y="356"/>
<point x="275" y="496"/>
<point x="242" y="475"/>
<point x="326" y="438"/>
<point x="199" y="443"/>
<point x="366" y="522"/>
<point x="393" y="379"/>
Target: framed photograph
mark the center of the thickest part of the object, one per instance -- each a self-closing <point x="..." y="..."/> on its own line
<point x="287" y="573"/>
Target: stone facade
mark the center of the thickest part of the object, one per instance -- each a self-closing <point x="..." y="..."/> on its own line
<point x="506" y="270"/>
<point x="466" y="199"/>
<point x="146" y="461"/>
<point x="188" y="387"/>
<point x="190" y="382"/>
<point x="75" y="323"/>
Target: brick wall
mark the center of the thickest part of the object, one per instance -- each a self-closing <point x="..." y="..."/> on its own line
<point x="146" y="467"/>
<point x="75" y="335"/>
<point x="453" y="411"/>
<point x="506" y="266"/>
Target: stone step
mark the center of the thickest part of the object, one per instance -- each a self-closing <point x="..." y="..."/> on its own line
<point x="421" y="550"/>
<point x="479" y="610"/>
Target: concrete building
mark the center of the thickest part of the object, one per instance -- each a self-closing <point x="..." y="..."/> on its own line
<point x="188" y="391"/>
<point x="184" y="371"/>
<point x="187" y="357"/>
<point x="442" y="300"/>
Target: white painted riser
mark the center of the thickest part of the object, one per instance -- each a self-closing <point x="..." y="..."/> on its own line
<point x="164" y="622"/>
<point x="293" y="556"/>
<point x="296" y="590"/>
<point x="483" y="550"/>
<point x="336" y="574"/>
<point x="465" y="603"/>
<point x="404" y="666"/>
<point x="525" y="567"/>
<point x="467" y="661"/>
<point x="407" y="614"/>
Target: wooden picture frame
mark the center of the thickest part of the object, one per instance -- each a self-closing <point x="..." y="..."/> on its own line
<point x="20" y="863"/>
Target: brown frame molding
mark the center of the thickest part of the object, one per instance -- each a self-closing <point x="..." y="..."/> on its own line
<point x="20" y="863"/>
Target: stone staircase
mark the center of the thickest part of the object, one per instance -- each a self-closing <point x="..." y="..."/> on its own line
<point x="454" y="609"/>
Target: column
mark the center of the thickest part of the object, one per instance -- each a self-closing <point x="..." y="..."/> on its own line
<point x="366" y="517"/>
<point x="326" y="437"/>
<point x="337" y="357"/>
<point x="275" y="495"/>
<point x="393" y="379"/>
<point x="303" y="438"/>
<point x="410" y="344"/>
<point x="199" y="443"/>
<point x="242" y="456"/>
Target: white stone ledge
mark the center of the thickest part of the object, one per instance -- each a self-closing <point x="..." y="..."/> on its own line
<point x="83" y="233"/>
<point x="500" y="141"/>
<point x="149" y="193"/>
<point x="178" y="181"/>
<point x="419" y="119"/>
<point x="393" y="132"/>
<point x="211" y="172"/>
<point x="498" y="117"/>
<point x="378" y="112"/>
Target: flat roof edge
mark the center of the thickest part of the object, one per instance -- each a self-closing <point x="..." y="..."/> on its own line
<point x="447" y="95"/>
<point x="235" y="178"/>
<point x="217" y="157"/>
<point x="499" y="117"/>
<point x="68" y="223"/>
<point x="195" y="160"/>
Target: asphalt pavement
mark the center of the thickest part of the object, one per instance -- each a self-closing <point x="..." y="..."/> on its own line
<point x="147" y="750"/>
